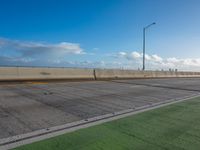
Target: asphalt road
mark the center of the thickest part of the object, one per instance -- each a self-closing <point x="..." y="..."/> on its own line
<point x="32" y="106"/>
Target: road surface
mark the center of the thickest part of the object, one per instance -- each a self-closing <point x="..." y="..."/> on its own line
<point x="32" y="106"/>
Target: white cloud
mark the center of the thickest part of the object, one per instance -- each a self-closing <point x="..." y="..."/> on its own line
<point x="157" y="58"/>
<point x="122" y="53"/>
<point x="136" y="55"/>
<point x="148" y="57"/>
<point x="14" y="52"/>
<point x="31" y="49"/>
<point x="156" y="62"/>
<point x="133" y="55"/>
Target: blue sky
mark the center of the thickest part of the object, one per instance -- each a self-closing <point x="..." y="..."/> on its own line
<point x="100" y="33"/>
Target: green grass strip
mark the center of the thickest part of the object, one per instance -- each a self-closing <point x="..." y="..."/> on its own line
<point x="174" y="127"/>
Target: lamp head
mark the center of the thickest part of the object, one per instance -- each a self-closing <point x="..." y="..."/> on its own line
<point x="149" y="25"/>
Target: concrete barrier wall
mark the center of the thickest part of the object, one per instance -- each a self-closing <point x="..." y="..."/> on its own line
<point x="31" y="73"/>
<point x="120" y="74"/>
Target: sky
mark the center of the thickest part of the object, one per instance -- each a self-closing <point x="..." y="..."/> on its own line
<point x="100" y="33"/>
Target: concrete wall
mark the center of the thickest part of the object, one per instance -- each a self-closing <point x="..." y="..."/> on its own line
<point x="120" y="74"/>
<point x="32" y="73"/>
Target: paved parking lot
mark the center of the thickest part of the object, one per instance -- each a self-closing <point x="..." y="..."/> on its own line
<point x="32" y="106"/>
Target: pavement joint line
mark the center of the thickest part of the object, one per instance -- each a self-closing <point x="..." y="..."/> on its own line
<point x="19" y="140"/>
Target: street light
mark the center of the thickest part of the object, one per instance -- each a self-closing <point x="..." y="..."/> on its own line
<point x="144" y="34"/>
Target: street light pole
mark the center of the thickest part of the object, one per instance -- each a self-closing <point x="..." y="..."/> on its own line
<point x="144" y="42"/>
<point x="144" y="38"/>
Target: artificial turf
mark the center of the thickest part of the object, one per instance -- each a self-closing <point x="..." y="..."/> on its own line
<point x="174" y="127"/>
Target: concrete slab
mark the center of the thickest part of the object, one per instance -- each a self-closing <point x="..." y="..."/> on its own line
<point x="30" y="107"/>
